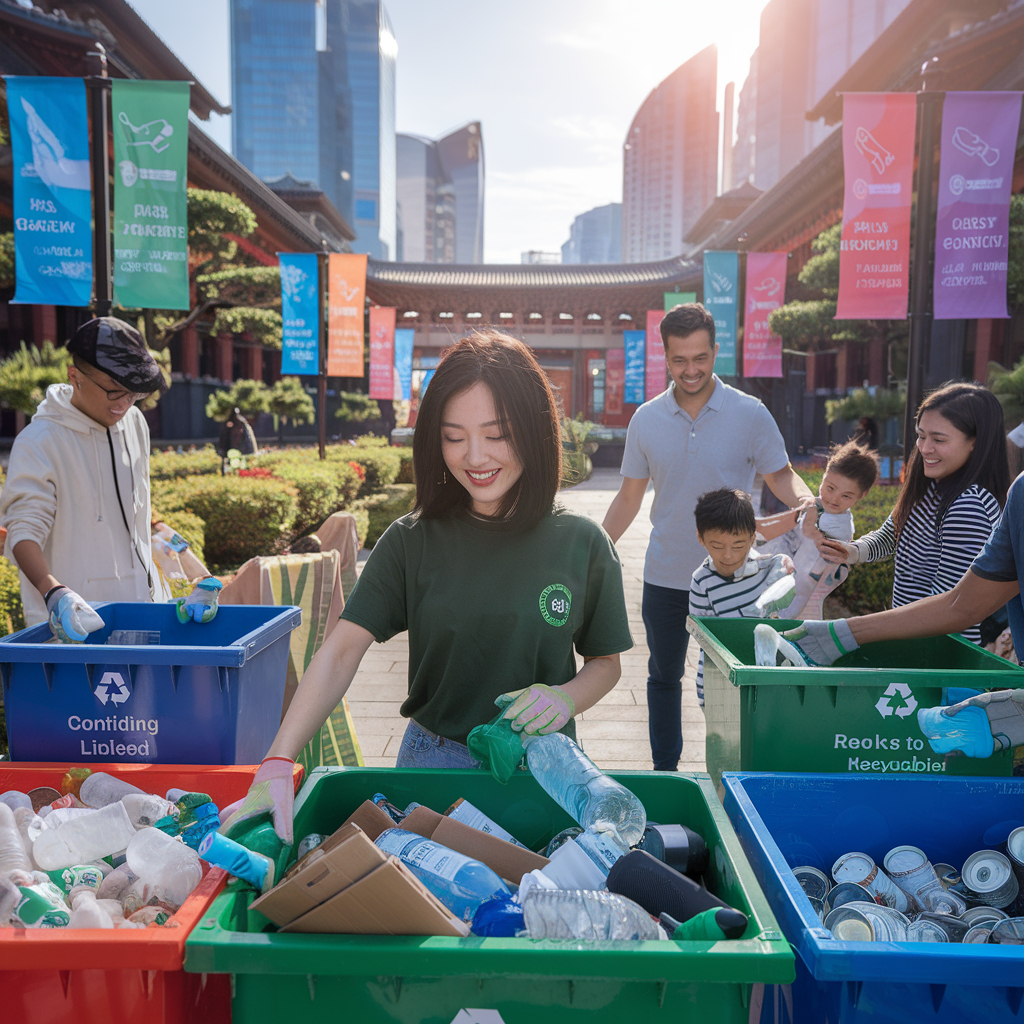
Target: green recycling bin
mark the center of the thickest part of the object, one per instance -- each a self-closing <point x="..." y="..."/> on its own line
<point x="439" y="980"/>
<point x="858" y="716"/>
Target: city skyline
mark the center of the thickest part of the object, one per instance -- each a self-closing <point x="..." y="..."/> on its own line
<point x="569" y="81"/>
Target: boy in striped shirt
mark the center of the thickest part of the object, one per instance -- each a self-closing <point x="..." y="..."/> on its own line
<point x="733" y="576"/>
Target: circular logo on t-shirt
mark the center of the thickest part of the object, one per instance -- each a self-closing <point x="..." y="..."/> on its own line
<point x="555" y="602"/>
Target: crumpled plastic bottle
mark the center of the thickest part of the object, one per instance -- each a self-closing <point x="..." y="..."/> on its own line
<point x="586" y="914"/>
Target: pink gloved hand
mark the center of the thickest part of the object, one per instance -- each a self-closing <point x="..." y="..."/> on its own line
<point x="273" y="791"/>
<point x="537" y="710"/>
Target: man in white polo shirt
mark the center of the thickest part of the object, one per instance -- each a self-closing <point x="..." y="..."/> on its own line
<point x="697" y="436"/>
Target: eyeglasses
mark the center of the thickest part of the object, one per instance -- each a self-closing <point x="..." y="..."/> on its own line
<point x="118" y="394"/>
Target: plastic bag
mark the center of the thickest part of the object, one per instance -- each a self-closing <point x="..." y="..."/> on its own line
<point x="497" y="747"/>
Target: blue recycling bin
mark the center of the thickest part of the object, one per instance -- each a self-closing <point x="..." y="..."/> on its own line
<point x="204" y="694"/>
<point x="784" y="821"/>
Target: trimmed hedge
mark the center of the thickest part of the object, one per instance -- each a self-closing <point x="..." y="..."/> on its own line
<point x="244" y="516"/>
<point x="194" y="462"/>
<point x="405" y="472"/>
<point x="384" y="508"/>
<point x="381" y="465"/>
<point x="323" y="488"/>
<point x="12" y="617"/>
<point x="362" y="514"/>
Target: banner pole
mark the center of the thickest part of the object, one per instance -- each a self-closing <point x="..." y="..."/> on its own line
<point x="929" y="111"/>
<point x="321" y="258"/>
<point x="98" y="86"/>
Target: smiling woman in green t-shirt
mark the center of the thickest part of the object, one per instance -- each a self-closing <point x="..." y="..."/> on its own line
<point x="497" y="585"/>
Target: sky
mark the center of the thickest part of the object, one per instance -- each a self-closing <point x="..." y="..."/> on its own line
<point x="555" y="84"/>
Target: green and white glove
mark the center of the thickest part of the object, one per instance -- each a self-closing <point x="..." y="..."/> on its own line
<point x="538" y="709"/>
<point x="812" y="644"/>
<point x="201" y="604"/>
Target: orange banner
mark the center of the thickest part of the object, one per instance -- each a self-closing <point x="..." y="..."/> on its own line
<point x="346" y="296"/>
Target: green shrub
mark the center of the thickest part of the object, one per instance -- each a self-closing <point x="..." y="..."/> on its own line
<point x="318" y="492"/>
<point x="359" y="510"/>
<point x="12" y="617"/>
<point x="371" y="441"/>
<point x="194" y="462"/>
<point x="384" y="508"/>
<point x="191" y="527"/>
<point x="405" y="472"/>
<point x="381" y="465"/>
<point x="244" y="516"/>
<point x="869" y="586"/>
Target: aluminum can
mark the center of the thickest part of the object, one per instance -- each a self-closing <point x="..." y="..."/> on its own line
<point x="989" y="878"/>
<point x="41" y="796"/>
<point x="1014" y="849"/>
<point x="846" y="892"/>
<point x="849" y="925"/>
<point x="954" y="928"/>
<point x="818" y="906"/>
<point x="308" y="843"/>
<point x="888" y="925"/>
<point x="983" y="915"/>
<point x="860" y="868"/>
<point x="911" y="870"/>
<point x="1009" y="932"/>
<point x="979" y="933"/>
<point x="926" y="931"/>
<point x="946" y="874"/>
<point x="814" y="883"/>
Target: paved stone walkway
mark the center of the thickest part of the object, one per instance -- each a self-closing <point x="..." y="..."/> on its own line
<point x="614" y="732"/>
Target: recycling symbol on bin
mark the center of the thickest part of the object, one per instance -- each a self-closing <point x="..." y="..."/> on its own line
<point x="112" y="687"/>
<point x="897" y="700"/>
<point x="466" y="1016"/>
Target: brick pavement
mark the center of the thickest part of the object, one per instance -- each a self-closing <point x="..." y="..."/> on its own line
<point x="614" y="732"/>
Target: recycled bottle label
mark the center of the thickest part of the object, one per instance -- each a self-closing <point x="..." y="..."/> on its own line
<point x="436" y="859"/>
<point x="77" y="874"/>
<point x="37" y="911"/>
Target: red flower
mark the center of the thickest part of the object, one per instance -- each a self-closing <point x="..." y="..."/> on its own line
<point x="259" y="472"/>
<point x="359" y="471"/>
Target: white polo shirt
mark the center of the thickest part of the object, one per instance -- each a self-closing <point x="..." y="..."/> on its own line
<point x="732" y="439"/>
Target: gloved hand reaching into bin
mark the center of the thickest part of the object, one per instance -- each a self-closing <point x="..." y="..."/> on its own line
<point x="201" y="604"/>
<point x="978" y="727"/>
<point x="537" y="710"/>
<point x="72" y="619"/>
<point x="812" y="644"/>
<point x="272" y="792"/>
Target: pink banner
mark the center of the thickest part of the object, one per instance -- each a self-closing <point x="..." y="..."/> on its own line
<point x="382" y="351"/>
<point x="656" y="376"/>
<point x="614" y="380"/>
<point x="766" y="291"/>
<point x="878" y="163"/>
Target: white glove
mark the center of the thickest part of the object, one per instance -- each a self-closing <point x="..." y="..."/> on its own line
<point x="71" y="617"/>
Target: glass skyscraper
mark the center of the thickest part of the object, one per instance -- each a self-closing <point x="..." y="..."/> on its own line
<point x="313" y="92"/>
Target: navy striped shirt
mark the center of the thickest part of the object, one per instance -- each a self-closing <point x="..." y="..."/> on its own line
<point x="931" y="557"/>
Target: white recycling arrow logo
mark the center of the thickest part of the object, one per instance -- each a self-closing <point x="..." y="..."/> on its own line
<point x="112" y="687"/>
<point x="897" y="700"/>
<point x="470" y="1016"/>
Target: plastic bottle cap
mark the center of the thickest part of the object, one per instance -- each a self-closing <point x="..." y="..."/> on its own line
<point x="571" y="868"/>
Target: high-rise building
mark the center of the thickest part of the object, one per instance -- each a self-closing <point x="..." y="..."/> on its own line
<point x="313" y="93"/>
<point x="441" y="197"/>
<point x="670" y="161"/>
<point x="290" y="95"/>
<point x="372" y="52"/>
<point x="537" y="257"/>
<point x="595" y="236"/>
<point x="745" y="151"/>
<point x="426" y="202"/>
<point x="805" y="46"/>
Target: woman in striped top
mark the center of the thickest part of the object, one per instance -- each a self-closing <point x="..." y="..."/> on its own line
<point x="953" y="492"/>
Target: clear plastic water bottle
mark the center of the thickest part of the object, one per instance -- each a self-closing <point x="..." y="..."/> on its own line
<point x="86" y="913"/>
<point x="12" y="852"/>
<point x="100" y="789"/>
<point x="574" y="782"/>
<point x="165" y="863"/>
<point x="144" y="809"/>
<point x="89" y="837"/>
<point x="114" y="885"/>
<point x="459" y="882"/>
<point x="585" y="914"/>
<point x="14" y="799"/>
<point x="603" y="846"/>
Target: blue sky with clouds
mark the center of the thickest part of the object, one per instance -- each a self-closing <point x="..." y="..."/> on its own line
<point x="554" y="82"/>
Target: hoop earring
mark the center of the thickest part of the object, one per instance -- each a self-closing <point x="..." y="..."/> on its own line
<point x="444" y="478"/>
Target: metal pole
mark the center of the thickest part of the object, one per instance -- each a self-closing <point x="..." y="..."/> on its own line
<point x="929" y="111"/>
<point x="321" y="261"/>
<point x="98" y="86"/>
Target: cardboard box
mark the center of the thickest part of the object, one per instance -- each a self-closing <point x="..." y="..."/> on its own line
<point x="371" y="819"/>
<point x="347" y="885"/>
<point x="507" y="860"/>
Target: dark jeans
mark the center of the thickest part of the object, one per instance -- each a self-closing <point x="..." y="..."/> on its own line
<point x="664" y="612"/>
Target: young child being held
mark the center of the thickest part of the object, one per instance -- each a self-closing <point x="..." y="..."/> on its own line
<point x="733" y="576"/>
<point x="850" y="473"/>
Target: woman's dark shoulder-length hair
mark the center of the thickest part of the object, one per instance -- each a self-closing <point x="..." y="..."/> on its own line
<point x="528" y="415"/>
<point x="975" y="412"/>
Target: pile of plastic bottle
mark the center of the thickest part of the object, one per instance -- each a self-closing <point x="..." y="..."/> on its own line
<point x="103" y="853"/>
<point x="595" y="887"/>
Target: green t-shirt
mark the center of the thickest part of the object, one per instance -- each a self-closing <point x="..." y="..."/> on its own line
<point x="489" y="610"/>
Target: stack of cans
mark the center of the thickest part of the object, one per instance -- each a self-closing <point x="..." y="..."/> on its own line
<point x="909" y="899"/>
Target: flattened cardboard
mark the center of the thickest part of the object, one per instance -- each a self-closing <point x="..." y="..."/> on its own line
<point x="505" y="859"/>
<point x="342" y="858"/>
<point x="388" y="901"/>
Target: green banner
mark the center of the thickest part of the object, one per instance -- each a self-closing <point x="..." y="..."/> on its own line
<point x="150" y="123"/>
<point x="673" y="299"/>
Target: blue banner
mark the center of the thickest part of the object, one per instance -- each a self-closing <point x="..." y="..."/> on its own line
<point x="721" y="288"/>
<point x="52" y="191"/>
<point x="300" y="311"/>
<point x="634" y="342"/>
<point x="427" y="375"/>
<point x="403" y="359"/>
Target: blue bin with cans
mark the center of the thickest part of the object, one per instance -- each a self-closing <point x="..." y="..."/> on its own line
<point x="165" y="692"/>
<point x="790" y="820"/>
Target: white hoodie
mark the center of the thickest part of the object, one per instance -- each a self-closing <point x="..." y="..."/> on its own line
<point x="60" y="493"/>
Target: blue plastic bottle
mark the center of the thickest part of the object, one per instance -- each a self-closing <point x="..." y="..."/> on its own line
<point x="459" y="882"/>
